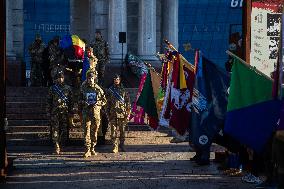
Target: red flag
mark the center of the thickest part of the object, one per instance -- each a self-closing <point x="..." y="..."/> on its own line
<point x="180" y="97"/>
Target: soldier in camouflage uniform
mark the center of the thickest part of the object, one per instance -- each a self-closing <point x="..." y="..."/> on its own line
<point x="119" y="110"/>
<point x="92" y="98"/>
<point x="36" y="52"/>
<point x="92" y="58"/>
<point x="56" y="57"/>
<point x="59" y="108"/>
<point x="101" y="51"/>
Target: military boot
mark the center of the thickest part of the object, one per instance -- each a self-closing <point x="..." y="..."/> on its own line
<point x="93" y="152"/>
<point x="87" y="153"/>
<point x="121" y="147"/>
<point x="115" y="148"/>
<point x="57" y="148"/>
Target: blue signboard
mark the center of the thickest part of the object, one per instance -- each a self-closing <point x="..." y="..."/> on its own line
<point x="48" y="18"/>
<point x="207" y="25"/>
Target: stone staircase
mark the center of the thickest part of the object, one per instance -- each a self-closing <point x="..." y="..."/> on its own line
<point x="25" y="110"/>
<point x="28" y="124"/>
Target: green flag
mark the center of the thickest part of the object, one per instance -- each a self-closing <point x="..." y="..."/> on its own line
<point x="146" y="99"/>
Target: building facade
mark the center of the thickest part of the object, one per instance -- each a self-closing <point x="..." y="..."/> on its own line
<point x="202" y="24"/>
<point x="210" y="26"/>
<point x="144" y="22"/>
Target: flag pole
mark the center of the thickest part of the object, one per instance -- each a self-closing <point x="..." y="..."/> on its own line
<point x="191" y="67"/>
<point x="248" y="65"/>
<point x="148" y="64"/>
<point x="151" y="67"/>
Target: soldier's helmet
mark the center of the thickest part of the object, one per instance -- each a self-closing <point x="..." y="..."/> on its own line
<point x="58" y="74"/>
<point x="98" y="34"/>
<point x="37" y="36"/>
<point x="91" y="73"/>
<point x="56" y="39"/>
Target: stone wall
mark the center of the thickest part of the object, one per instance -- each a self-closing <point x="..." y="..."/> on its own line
<point x="80" y="18"/>
<point x="15" y="29"/>
<point x="159" y="25"/>
<point x="132" y="26"/>
<point x="99" y="18"/>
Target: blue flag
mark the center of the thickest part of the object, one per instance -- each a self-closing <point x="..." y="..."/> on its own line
<point x="209" y="103"/>
<point x="86" y="66"/>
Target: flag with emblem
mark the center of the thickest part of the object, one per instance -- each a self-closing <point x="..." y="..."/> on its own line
<point x="178" y="109"/>
<point x="209" y="102"/>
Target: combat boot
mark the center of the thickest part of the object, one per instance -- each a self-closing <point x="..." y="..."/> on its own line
<point x="115" y="148"/>
<point x="57" y="149"/>
<point x="121" y="147"/>
<point x="87" y="153"/>
<point x="93" y="152"/>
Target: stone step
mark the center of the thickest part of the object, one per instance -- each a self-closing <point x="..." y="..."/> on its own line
<point x="41" y="99"/>
<point x="28" y="142"/>
<point x="25" y="105"/>
<point x="36" y="110"/>
<point x="27" y="122"/>
<point x="28" y="128"/>
<point x="26" y="116"/>
<point x="26" y="91"/>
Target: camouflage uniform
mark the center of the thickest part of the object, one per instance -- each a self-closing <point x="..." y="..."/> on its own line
<point x="118" y="110"/>
<point x="56" y="57"/>
<point x="101" y="51"/>
<point x="59" y="106"/>
<point x="36" y="52"/>
<point x="91" y="114"/>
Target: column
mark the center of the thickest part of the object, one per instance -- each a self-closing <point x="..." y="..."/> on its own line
<point x="92" y="20"/>
<point x="9" y="31"/>
<point x="170" y="21"/>
<point x="147" y="29"/>
<point x="117" y="22"/>
<point x="18" y="27"/>
<point x="80" y="18"/>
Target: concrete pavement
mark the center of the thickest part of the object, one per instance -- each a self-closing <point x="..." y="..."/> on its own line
<point x="150" y="162"/>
